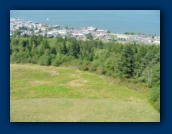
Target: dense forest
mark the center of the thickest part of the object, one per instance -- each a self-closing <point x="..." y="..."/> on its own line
<point x="136" y="62"/>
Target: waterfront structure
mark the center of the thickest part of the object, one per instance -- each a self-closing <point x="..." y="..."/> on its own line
<point x="29" y="28"/>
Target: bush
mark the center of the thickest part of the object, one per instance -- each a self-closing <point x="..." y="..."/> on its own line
<point x="85" y="66"/>
<point x="45" y="60"/>
<point x="100" y="70"/>
<point x="56" y="61"/>
<point x="154" y="97"/>
<point x="94" y="65"/>
<point x="13" y="57"/>
<point x="75" y="62"/>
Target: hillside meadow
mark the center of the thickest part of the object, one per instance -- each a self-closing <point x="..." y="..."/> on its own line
<point x="66" y="94"/>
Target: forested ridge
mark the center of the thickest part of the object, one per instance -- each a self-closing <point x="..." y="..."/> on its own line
<point x="136" y="62"/>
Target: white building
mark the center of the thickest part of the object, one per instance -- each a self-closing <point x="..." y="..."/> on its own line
<point x="121" y="36"/>
<point x="100" y="31"/>
<point x="62" y="32"/>
<point x="156" y="41"/>
<point x="77" y="34"/>
<point x="91" y="28"/>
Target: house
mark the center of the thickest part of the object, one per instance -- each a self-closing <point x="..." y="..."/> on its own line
<point x="43" y="28"/>
<point x="56" y="26"/>
<point x="77" y="34"/>
<point x="156" y="42"/>
<point x="100" y="31"/>
<point x="62" y="32"/>
<point x="85" y="32"/>
<point x="121" y="36"/>
<point x="100" y="35"/>
<point x="91" y="28"/>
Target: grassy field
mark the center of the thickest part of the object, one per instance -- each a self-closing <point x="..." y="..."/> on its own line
<point x="59" y="94"/>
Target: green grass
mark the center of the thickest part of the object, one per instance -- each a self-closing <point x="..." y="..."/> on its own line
<point x="41" y="93"/>
<point x="80" y="110"/>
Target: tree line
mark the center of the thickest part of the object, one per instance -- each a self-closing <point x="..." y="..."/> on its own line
<point x="138" y="62"/>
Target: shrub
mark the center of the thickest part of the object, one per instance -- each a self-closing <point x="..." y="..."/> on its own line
<point x="154" y="97"/>
<point x="85" y="66"/>
<point x="94" y="65"/>
<point x="45" y="60"/>
<point x="100" y="70"/>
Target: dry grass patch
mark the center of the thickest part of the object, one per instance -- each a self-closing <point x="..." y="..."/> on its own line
<point x="77" y="83"/>
<point x="37" y="82"/>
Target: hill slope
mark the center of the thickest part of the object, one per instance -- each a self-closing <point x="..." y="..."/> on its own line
<point x="40" y="93"/>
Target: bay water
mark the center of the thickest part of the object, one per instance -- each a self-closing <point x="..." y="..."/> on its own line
<point x="117" y="21"/>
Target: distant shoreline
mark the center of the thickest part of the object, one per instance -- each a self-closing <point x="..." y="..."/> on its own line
<point x="44" y="23"/>
<point x="29" y="28"/>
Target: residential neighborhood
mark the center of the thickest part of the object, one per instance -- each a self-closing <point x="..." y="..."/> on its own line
<point x="28" y="28"/>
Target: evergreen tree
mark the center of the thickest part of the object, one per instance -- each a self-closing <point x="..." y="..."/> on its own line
<point x="126" y="63"/>
<point x="64" y="48"/>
